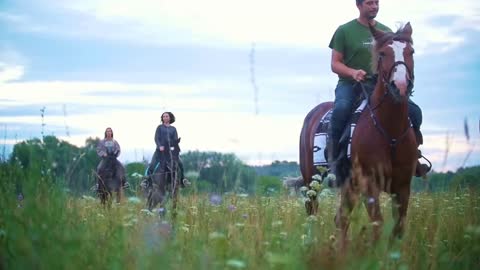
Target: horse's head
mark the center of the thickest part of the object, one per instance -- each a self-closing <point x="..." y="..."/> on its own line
<point x="393" y="60"/>
<point x="176" y="148"/>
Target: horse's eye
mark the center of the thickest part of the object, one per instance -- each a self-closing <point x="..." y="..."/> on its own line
<point x="412" y="52"/>
<point x="381" y="54"/>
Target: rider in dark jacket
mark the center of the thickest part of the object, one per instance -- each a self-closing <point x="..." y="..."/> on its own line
<point x="166" y="140"/>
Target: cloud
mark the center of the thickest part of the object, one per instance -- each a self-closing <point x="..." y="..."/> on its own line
<point x="217" y="23"/>
<point x="10" y="73"/>
<point x="12" y="63"/>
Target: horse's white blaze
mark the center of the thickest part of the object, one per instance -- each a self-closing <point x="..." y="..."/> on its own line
<point x="400" y="72"/>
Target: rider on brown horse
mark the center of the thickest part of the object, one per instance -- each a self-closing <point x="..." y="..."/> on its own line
<point x="108" y="145"/>
<point x="351" y="60"/>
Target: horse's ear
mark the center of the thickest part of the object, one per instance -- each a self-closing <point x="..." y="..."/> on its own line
<point x="407" y="29"/>
<point x="375" y="32"/>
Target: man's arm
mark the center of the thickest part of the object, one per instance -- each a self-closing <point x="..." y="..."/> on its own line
<point x="343" y="70"/>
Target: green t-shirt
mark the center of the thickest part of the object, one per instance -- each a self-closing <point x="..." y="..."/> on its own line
<point x="354" y="41"/>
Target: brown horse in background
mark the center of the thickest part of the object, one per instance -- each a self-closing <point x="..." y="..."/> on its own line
<point x="109" y="179"/>
<point x="383" y="146"/>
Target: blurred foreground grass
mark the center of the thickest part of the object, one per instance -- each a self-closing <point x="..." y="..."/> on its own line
<point x="53" y="230"/>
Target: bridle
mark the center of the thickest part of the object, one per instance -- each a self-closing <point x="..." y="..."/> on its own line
<point x="389" y="87"/>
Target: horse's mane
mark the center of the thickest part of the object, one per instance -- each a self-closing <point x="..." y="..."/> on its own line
<point x="399" y="35"/>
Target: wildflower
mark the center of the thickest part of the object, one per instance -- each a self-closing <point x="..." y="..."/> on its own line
<point x="315" y="185"/>
<point x="277" y="223"/>
<point x="321" y="169"/>
<point x="215" y="199"/>
<point x="304" y="189"/>
<point x="371" y="200"/>
<point x="136" y="175"/>
<point x="216" y="235"/>
<point x="312" y="218"/>
<point x="395" y="255"/>
<point x="88" y="198"/>
<point x="376" y="223"/>
<point x="232" y="208"/>
<point x="317" y="177"/>
<point x="311" y="193"/>
<point x="330" y="178"/>
<point x="147" y="212"/>
<point x="236" y="263"/>
<point x="332" y="238"/>
<point x="134" y="200"/>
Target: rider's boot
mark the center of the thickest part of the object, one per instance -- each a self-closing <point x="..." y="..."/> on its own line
<point x="147" y="179"/>
<point x="333" y="151"/>
<point x="421" y="170"/>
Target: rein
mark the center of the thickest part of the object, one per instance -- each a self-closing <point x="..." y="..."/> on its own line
<point x="392" y="141"/>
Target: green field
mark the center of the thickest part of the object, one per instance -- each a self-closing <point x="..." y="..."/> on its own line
<point x="55" y="230"/>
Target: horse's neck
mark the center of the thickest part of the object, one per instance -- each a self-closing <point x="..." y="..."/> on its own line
<point x="392" y="116"/>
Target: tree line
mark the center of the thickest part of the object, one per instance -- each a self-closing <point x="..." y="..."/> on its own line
<point x="59" y="162"/>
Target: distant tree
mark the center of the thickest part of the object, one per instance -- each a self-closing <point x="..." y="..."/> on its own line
<point x="279" y="169"/>
<point x="466" y="178"/>
<point x="268" y="185"/>
<point x="223" y="172"/>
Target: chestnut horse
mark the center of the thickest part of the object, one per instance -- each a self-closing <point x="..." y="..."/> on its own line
<point x="383" y="144"/>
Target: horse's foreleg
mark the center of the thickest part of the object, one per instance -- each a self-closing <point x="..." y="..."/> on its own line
<point x="158" y="192"/>
<point x="399" y="210"/>
<point x="119" y="195"/>
<point x="175" y="188"/>
<point x="372" y="203"/>
<point x="155" y="197"/>
<point x="342" y="219"/>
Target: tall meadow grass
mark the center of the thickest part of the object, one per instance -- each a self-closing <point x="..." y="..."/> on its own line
<point x="51" y="229"/>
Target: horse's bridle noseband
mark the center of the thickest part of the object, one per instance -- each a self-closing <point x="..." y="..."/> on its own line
<point x="390" y="86"/>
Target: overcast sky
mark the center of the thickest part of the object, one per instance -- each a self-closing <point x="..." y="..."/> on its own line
<point x="93" y="64"/>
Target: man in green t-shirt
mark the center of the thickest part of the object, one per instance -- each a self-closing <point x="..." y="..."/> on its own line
<point x="351" y="60"/>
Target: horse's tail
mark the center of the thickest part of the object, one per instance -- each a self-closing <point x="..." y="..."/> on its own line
<point x="307" y="134"/>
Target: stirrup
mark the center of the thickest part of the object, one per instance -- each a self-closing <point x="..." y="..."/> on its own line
<point x="186" y="182"/>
